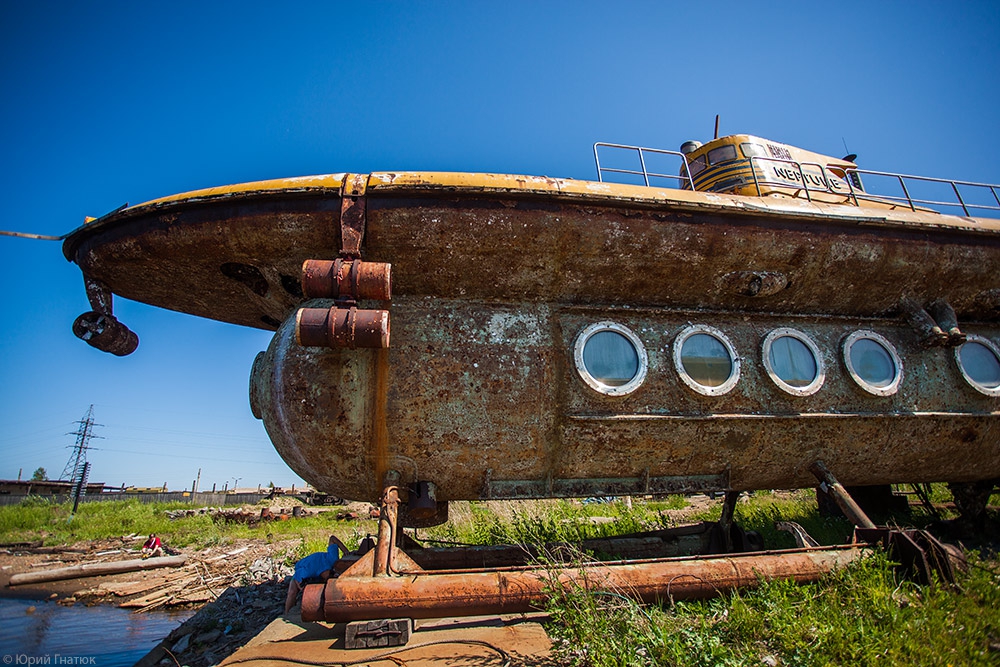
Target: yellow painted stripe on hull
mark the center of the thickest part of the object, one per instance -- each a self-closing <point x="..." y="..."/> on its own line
<point x="598" y="193"/>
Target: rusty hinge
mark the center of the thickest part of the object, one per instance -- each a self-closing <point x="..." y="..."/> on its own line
<point x="352" y="214"/>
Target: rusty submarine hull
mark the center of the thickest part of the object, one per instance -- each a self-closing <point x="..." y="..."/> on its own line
<point x="498" y="336"/>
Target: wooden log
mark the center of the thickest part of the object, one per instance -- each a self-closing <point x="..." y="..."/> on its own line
<point x="121" y="589"/>
<point x="20" y="545"/>
<point x="182" y="578"/>
<point x="95" y="570"/>
<point x="168" y="597"/>
<point x="51" y="550"/>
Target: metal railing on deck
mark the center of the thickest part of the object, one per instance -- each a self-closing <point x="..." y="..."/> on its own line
<point x="685" y="174"/>
<point x="912" y="202"/>
<point x="852" y="180"/>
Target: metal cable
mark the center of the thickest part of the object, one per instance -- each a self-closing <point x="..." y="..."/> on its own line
<point x="36" y="237"/>
<point x="389" y="655"/>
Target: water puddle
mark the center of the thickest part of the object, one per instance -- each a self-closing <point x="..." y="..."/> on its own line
<point x="52" y="634"/>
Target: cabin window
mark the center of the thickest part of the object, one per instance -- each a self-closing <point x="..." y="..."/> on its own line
<point x="979" y="360"/>
<point x="610" y="358"/>
<point x="706" y="361"/>
<point x="697" y="165"/>
<point x="722" y="154"/>
<point x="793" y="362"/>
<point x="873" y="363"/>
<point x="753" y="150"/>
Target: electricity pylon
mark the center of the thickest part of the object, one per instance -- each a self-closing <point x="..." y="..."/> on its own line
<point x="76" y="466"/>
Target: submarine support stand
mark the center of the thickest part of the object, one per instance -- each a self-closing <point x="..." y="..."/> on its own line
<point x="385" y="588"/>
<point x="921" y="556"/>
<point x="386" y="581"/>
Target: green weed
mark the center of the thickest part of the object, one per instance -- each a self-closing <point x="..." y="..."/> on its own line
<point x="860" y="615"/>
<point x="541" y="522"/>
<point x="33" y="520"/>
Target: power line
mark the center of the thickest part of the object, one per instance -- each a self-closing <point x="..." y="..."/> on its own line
<point x="178" y="457"/>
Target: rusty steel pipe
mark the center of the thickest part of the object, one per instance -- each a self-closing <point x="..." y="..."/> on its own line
<point x="851" y="510"/>
<point x="518" y="590"/>
<point x="342" y="328"/>
<point x="387" y="520"/>
<point x="346" y="279"/>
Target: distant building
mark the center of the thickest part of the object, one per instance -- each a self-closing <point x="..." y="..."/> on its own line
<point x="17" y="487"/>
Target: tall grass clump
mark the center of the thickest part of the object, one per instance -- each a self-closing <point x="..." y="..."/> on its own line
<point x="860" y="615"/>
<point x="599" y="628"/>
<point x="24" y="520"/>
<point x="38" y="519"/>
<point x="546" y="521"/>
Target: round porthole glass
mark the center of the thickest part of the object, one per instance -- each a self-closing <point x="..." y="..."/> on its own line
<point x="979" y="360"/>
<point x="793" y="362"/>
<point x="706" y="360"/>
<point x="610" y="358"/>
<point x="873" y="363"/>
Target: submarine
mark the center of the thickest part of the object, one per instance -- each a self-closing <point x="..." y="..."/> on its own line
<point x="719" y="327"/>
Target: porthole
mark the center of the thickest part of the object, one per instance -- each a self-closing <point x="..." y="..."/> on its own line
<point x="979" y="360"/>
<point x="706" y="360"/>
<point x="610" y="358"/>
<point x="793" y="361"/>
<point x="873" y="363"/>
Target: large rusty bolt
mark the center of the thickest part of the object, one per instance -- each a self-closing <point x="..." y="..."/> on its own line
<point x="105" y="333"/>
<point x="346" y="279"/>
<point x="342" y="328"/>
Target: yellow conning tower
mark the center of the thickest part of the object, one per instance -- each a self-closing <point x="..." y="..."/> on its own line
<point x="747" y="165"/>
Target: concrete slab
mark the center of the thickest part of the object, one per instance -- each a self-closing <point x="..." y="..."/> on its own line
<point x="477" y="641"/>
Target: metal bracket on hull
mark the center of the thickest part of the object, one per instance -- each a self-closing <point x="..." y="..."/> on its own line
<point x="346" y="280"/>
<point x="937" y="326"/>
<point x="352" y="214"/>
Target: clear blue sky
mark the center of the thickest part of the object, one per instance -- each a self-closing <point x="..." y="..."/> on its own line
<point x="106" y="103"/>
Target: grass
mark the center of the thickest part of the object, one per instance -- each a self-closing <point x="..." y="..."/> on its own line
<point x="861" y="615"/>
<point x="37" y="519"/>
<point x="542" y="521"/>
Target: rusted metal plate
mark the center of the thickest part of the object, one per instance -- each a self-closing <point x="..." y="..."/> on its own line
<point x="483" y="642"/>
<point x="236" y="256"/>
<point x="608" y="486"/>
<point x="483" y="400"/>
<point x="237" y="262"/>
